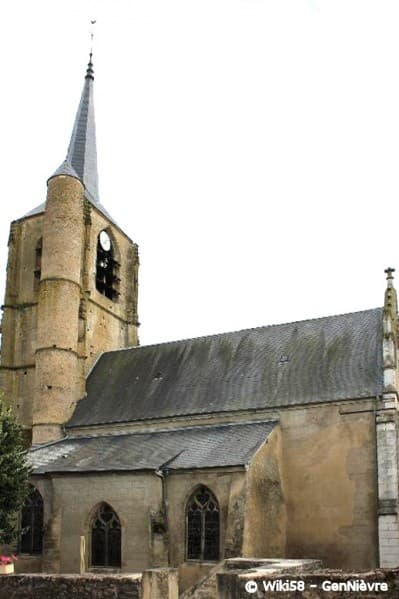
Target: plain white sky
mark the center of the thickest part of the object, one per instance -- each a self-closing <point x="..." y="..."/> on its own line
<point x="250" y="148"/>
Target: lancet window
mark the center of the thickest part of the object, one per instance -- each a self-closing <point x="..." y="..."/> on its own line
<point x="31" y="537"/>
<point x="105" y="538"/>
<point x="202" y="526"/>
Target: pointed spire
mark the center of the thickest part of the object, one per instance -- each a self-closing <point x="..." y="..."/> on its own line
<point x="81" y="159"/>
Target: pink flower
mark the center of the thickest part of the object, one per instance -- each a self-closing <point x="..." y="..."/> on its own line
<point x="7" y="559"/>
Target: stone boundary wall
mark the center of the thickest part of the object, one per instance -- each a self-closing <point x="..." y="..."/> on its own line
<point x="70" y="586"/>
<point x="152" y="584"/>
<point x="231" y="584"/>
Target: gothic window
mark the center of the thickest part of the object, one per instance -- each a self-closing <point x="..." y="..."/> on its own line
<point x="38" y="264"/>
<point x="31" y="539"/>
<point x="202" y="524"/>
<point x="105" y="538"/>
<point x="107" y="268"/>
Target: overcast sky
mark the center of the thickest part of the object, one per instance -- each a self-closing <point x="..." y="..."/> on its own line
<point x="250" y="148"/>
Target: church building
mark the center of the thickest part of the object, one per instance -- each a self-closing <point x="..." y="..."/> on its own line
<point x="277" y="441"/>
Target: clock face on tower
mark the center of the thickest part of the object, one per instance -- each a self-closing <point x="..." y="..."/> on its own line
<point x="105" y="241"/>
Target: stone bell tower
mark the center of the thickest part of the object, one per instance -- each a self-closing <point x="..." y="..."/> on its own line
<point x="71" y="290"/>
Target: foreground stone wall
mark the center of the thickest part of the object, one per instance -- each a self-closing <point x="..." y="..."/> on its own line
<point x="70" y="586"/>
<point x="152" y="584"/>
<point x="290" y="579"/>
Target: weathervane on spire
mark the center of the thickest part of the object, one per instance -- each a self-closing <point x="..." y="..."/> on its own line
<point x="92" y="22"/>
<point x="90" y="71"/>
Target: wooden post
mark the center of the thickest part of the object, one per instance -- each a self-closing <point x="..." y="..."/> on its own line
<point x="82" y="555"/>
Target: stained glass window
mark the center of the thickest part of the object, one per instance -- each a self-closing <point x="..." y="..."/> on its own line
<point x="203" y="526"/>
<point x="106" y="538"/>
<point x="31" y="539"/>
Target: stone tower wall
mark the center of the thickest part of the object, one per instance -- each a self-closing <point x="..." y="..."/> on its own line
<point x="57" y="362"/>
<point x="53" y="329"/>
<point x="19" y="322"/>
<point x="108" y="324"/>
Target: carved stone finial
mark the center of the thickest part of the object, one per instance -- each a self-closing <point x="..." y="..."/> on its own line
<point x="391" y="334"/>
<point x="391" y="300"/>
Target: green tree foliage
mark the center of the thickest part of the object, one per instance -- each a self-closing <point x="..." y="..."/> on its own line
<point x="14" y="474"/>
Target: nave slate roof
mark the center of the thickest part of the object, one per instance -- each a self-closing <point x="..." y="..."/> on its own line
<point x="178" y="449"/>
<point x="321" y="360"/>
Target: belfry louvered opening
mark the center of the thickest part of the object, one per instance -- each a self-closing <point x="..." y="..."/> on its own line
<point x="107" y="267"/>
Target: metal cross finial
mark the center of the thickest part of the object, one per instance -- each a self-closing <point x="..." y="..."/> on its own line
<point x="389" y="272"/>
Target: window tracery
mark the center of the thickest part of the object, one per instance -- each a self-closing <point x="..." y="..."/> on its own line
<point x="31" y="538"/>
<point x="203" y="525"/>
<point x="105" y="538"/>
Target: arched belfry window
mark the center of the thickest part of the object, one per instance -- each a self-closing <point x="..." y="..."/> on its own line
<point x="107" y="268"/>
<point x="105" y="538"/>
<point x="31" y="538"/>
<point x="202" y="522"/>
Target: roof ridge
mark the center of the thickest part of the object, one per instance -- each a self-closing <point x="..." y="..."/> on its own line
<point x="267" y="326"/>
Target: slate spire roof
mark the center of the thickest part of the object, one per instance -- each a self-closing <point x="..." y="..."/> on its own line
<point x="81" y="159"/>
